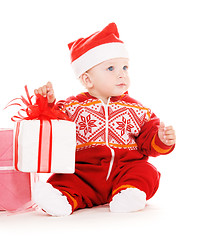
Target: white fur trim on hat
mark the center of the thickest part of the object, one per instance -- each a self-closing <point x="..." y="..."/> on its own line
<point x="98" y="55"/>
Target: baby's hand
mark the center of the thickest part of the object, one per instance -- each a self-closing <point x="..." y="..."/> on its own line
<point x="167" y="134"/>
<point x="46" y="91"/>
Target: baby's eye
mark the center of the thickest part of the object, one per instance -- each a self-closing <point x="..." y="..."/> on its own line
<point x="111" y="68"/>
<point x="125" y="68"/>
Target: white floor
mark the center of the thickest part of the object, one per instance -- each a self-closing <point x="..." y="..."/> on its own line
<point x="167" y="216"/>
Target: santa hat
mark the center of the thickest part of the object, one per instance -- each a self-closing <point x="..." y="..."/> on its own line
<point x="97" y="48"/>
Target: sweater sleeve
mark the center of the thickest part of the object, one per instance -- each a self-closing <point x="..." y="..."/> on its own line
<point x="63" y="105"/>
<point x="69" y="107"/>
<point x="148" y="141"/>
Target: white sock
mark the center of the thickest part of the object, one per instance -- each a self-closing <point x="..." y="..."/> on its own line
<point x="128" y="200"/>
<point x="51" y="200"/>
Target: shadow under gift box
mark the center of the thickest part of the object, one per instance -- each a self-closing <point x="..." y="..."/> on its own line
<point x="45" y="146"/>
<point x="15" y="187"/>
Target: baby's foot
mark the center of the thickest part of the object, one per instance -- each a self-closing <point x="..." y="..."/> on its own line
<point x="51" y="200"/>
<point x="128" y="200"/>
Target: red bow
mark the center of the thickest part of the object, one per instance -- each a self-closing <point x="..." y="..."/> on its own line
<point x="40" y="110"/>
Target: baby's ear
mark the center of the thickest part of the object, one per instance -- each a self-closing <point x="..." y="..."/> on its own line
<point x="86" y="80"/>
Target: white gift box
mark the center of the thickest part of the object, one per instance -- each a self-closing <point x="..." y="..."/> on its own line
<point x="45" y="146"/>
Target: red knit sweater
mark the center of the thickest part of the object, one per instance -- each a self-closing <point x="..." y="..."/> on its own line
<point x="123" y="129"/>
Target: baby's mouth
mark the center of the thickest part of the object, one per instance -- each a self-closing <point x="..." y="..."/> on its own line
<point x="121" y="85"/>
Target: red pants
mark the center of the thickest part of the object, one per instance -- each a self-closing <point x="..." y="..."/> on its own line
<point x="88" y="186"/>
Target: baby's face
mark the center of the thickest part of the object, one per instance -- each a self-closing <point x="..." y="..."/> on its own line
<point x="110" y="78"/>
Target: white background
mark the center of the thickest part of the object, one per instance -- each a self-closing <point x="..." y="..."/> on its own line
<point x="174" y="48"/>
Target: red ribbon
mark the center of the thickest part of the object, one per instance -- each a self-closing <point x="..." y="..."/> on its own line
<point x="45" y="147"/>
<point x="42" y="111"/>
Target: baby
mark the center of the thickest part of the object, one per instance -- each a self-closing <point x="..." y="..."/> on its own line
<point x="115" y="134"/>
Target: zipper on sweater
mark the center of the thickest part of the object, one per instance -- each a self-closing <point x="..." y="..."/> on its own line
<point x="106" y="138"/>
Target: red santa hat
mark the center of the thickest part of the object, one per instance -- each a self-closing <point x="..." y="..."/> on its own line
<point x="97" y="48"/>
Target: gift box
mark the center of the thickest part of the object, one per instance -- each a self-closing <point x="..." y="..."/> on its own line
<point x="15" y="187"/>
<point x="44" y="136"/>
<point x="45" y="146"/>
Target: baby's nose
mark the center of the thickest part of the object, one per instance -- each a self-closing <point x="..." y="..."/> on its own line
<point x="121" y="74"/>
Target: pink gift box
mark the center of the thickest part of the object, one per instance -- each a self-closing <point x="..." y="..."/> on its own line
<point x="15" y="187"/>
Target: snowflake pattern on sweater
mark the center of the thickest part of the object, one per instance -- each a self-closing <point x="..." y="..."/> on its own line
<point x="117" y="123"/>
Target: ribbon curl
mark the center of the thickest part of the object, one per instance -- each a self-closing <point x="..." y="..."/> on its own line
<point x="40" y="110"/>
